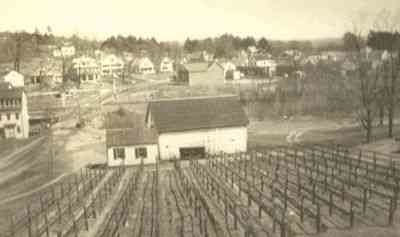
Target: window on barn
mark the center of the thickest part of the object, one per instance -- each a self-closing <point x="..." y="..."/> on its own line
<point x="119" y="153"/>
<point x="141" y="152"/>
<point x="16" y="115"/>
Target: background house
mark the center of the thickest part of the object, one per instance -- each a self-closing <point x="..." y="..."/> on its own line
<point x="166" y="65"/>
<point x="64" y="51"/>
<point x="143" y="65"/>
<point x="16" y="79"/>
<point x="193" y="127"/>
<point x="14" y="119"/>
<point x="111" y="65"/>
<point x="49" y="73"/>
<point x="86" y="69"/>
<point x="230" y="71"/>
<point x="265" y="62"/>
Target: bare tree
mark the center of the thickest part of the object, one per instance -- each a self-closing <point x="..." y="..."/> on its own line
<point x="362" y="85"/>
<point x="387" y="25"/>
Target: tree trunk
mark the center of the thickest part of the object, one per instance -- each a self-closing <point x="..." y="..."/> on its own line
<point x="392" y="95"/>
<point x="390" y="120"/>
<point x="369" y="126"/>
<point x="381" y="115"/>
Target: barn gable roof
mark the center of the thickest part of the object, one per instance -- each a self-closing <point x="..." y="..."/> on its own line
<point x="130" y="137"/>
<point x="125" y="128"/>
<point x="196" y="113"/>
<point x="197" y="67"/>
<point x="121" y="119"/>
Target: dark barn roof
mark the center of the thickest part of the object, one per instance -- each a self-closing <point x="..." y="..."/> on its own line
<point x="196" y="113"/>
<point x="130" y="137"/>
<point x="125" y="128"/>
<point x="121" y="119"/>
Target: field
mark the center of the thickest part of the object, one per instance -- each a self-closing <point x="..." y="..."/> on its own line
<point x="282" y="191"/>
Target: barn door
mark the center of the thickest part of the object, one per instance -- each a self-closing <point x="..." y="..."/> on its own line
<point x="190" y="153"/>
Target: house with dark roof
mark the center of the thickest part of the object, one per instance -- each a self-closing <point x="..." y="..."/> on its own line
<point x="128" y="140"/>
<point x="14" y="118"/>
<point x="190" y="127"/>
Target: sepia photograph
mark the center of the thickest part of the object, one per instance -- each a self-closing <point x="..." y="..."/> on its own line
<point x="200" y="118"/>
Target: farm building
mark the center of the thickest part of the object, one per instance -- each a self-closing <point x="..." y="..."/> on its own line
<point x="203" y="74"/>
<point x="181" y="128"/>
<point x="128" y="140"/>
<point x="190" y="127"/>
<point x="14" y="119"/>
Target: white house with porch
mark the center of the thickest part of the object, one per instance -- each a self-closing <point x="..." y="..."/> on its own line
<point x="86" y="69"/>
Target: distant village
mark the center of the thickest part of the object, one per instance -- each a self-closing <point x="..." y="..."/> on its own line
<point x="62" y="70"/>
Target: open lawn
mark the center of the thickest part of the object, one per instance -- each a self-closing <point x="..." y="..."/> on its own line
<point x="311" y="130"/>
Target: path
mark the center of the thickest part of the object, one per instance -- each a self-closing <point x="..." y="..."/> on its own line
<point x="22" y="195"/>
<point x="4" y="162"/>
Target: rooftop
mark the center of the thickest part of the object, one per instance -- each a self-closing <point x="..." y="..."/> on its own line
<point x="183" y="114"/>
<point x="124" y="128"/>
<point x="7" y="92"/>
<point x="131" y="136"/>
<point x="197" y="67"/>
<point x="121" y="119"/>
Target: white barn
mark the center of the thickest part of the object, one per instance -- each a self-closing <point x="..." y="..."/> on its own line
<point x="191" y="127"/>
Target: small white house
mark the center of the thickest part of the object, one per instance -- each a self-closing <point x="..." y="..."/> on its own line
<point x="166" y="65"/>
<point x="131" y="146"/>
<point x="128" y="140"/>
<point x="143" y="65"/>
<point x="16" y="79"/>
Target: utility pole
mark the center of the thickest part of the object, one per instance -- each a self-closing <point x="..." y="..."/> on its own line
<point x="78" y="95"/>
<point x="51" y="136"/>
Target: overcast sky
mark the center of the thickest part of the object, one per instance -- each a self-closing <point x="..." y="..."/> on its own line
<point x="178" y="19"/>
